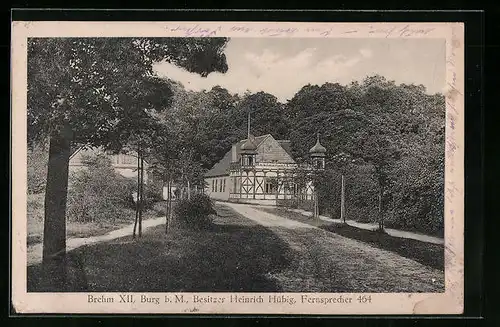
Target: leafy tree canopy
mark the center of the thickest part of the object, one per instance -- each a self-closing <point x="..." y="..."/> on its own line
<point x="98" y="86"/>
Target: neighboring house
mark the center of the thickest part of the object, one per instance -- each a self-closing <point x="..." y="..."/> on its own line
<point x="248" y="172"/>
<point x="124" y="164"/>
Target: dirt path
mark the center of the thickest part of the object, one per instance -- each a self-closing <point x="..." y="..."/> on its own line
<point x="34" y="254"/>
<point x="371" y="226"/>
<point x="327" y="261"/>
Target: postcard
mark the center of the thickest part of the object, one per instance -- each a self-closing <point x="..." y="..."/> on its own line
<point x="237" y="168"/>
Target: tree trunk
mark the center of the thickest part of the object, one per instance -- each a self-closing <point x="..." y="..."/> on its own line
<point x="167" y="211"/>
<point x="56" y="192"/>
<point x="342" y="201"/>
<point x="169" y="218"/>
<point x="141" y="203"/>
<point x="277" y="192"/>
<point x="380" y="211"/>
<point x="316" y="209"/>
<point x="189" y="190"/>
<point x="138" y="191"/>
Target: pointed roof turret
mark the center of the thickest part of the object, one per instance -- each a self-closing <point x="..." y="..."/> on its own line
<point x="317" y="149"/>
<point x="250" y="145"/>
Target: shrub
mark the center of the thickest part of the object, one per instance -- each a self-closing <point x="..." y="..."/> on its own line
<point x="151" y="196"/>
<point x="37" y="168"/>
<point x="195" y="213"/>
<point x="35" y="206"/>
<point x="98" y="194"/>
<point x="160" y="208"/>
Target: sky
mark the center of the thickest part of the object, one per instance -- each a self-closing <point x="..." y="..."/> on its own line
<point x="282" y="66"/>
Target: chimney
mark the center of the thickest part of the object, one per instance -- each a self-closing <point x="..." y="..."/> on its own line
<point x="234" y="155"/>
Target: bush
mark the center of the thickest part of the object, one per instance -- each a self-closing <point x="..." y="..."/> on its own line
<point x="36" y="206"/>
<point x="195" y="213"/>
<point x="37" y="168"/>
<point x="98" y="194"/>
<point x="151" y="197"/>
<point x="160" y="208"/>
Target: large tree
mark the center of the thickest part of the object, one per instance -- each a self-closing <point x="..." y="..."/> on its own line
<point x="82" y="90"/>
<point x="385" y="126"/>
<point x="206" y="121"/>
<point x="267" y="115"/>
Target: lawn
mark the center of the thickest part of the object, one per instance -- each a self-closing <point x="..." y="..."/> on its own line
<point x="35" y="213"/>
<point x="428" y="254"/>
<point x="234" y="255"/>
<point x="238" y="255"/>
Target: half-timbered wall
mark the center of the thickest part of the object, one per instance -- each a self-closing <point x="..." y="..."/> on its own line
<point x="258" y="185"/>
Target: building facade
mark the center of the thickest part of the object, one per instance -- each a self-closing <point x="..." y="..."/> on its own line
<point x="124" y="163"/>
<point x="258" y="170"/>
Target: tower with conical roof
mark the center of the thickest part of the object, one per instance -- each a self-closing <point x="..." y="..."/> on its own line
<point x="248" y="149"/>
<point x="318" y="154"/>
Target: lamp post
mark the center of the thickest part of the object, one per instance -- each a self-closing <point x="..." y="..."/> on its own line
<point x="342" y="159"/>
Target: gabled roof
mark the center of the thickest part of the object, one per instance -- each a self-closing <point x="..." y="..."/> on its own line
<point x="286" y="145"/>
<point x="221" y="168"/>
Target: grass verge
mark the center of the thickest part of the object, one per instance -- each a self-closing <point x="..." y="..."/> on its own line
<point x="428" y="254"/>
<point x="234" y="255"/>
<point x="35" y="216"/>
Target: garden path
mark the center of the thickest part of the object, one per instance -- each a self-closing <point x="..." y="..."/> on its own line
<point x="371" y="226"/>
<point x="34" y="252"/>
<point x="353" y="264"/>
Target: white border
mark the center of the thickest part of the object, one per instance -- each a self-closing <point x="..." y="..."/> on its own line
<point x="449" y="302"/>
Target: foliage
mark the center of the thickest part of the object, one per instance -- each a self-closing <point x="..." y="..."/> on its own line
<point x="34" y="207"/>
<point x="266" y="115"/>
<point x="195" y="213"/>
<point x="98" y="193"/>
<point x="391" y="136"/>
<point x="100" y="92"/>
<point x="38" y="156"/>
<point x="392" y="140"/>
<point x="99" y="86"/>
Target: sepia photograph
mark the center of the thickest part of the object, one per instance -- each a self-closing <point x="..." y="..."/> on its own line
<point x="281" y="167"/>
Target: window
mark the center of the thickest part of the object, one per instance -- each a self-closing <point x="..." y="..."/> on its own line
<point x="220" y="187"/>
<point x="215" y="186"/>
<point x="269" y="188"/>
<point x="235" y="185"/>
<point x="224" y="187"/>
<point x="247" y="160"/>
